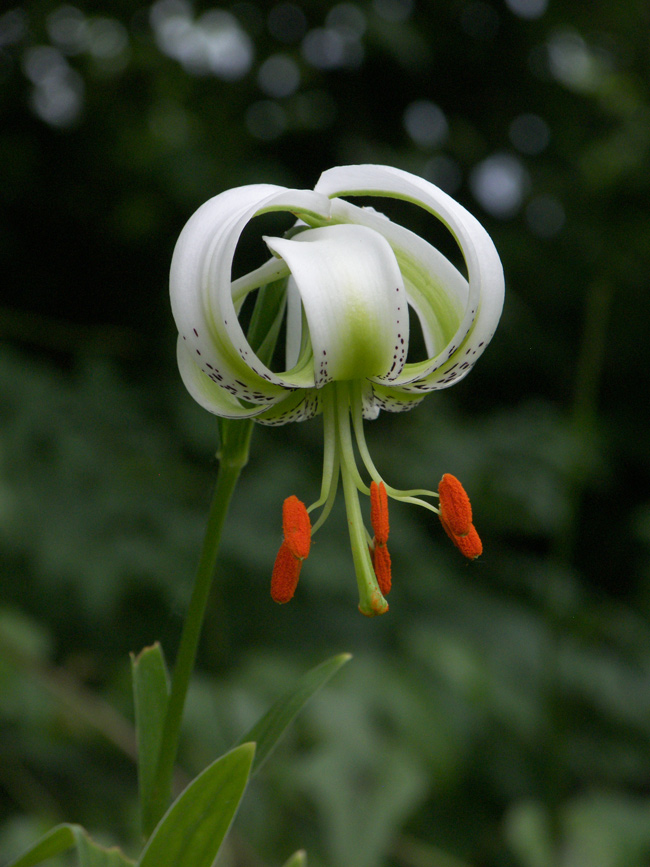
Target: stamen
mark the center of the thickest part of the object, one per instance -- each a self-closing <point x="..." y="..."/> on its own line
<point x="469" y="544"/>
<point x="380" y="557"/>
<point x="296" y="527"/>
<point x="379" y="511"/>
<point x="286" y="572"/>
<point x="455" y="507"/>
<point x="378" y="551"/>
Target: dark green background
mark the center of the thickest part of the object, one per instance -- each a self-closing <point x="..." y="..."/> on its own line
<point x="499" y="715"/>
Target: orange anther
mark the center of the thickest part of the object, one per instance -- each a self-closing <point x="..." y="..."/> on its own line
<point x="286" y="572"/>
<point x="380" y="557"/>
<point x="455" y="508"/>
<point x="469" y="544"/>
<point x="379" y="511"/>
<point x="296" y="527"/>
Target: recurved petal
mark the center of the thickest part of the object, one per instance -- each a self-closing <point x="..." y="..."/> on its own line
<point x="354" y="300"/>
<point x="390" y="398"/>
<point x="287" y="405"/>
<point x="201" y="287"/>
<point x="435" y="288"/>
<point x="210" y="391"/>
<point x="482" y="301"/>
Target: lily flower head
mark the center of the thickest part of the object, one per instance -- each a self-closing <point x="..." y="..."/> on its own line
<point x="344" y="279"/>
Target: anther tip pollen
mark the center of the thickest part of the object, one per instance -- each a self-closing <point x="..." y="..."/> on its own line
<point x="456" y="517"/>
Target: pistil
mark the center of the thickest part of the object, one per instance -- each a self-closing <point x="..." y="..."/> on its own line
<point x="371" y="599"/>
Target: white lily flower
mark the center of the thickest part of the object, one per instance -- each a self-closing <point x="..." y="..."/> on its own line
<point x="349" y="276"/>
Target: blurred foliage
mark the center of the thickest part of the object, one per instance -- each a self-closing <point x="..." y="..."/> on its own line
<point x="499" y="715"/>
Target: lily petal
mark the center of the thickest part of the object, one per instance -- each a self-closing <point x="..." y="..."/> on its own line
<point x="435" y="288"/>
<point x="202" y="294"/>
<point x="391" y="399"/>
<point x="354" y="300"/>
<point x="289" y="405"/>
<point x="210" y="391"/>
<point x="485" y="287"/>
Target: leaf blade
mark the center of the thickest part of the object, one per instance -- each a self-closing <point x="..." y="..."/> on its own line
<point x="64" y="837"/>
<point x="267" y="732"/>
<point x="192" y="830"/>
<point x="150" y="696"/>
<point x="298" y="859"/>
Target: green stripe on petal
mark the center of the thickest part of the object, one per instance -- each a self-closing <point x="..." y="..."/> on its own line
<point x="436" y="290"/>
<point x="354" y="300"/>
<point x="435" y="287"/>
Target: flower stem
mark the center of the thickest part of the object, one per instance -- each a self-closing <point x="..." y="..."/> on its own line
<point x="233" y="456"/>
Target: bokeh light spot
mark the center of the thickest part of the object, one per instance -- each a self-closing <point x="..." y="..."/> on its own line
<point x="348" y="19"/>
<point x="68" y="29"/>
<point x="13" y="27"/>
<point x="571" y="62"/>
<point x="527" y="8"/>
<point x="426" y="123"/>
<point x="215" y="44"/>
<point x="107" y="38"/>
<point x="324" y="48"/>
<point x="58" y="92"/>
<point x="499" y="184"/>
<point x="279" y="76"/>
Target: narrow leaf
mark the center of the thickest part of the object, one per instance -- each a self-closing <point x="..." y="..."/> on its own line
<point x="150" y="695"/>
<point x="192" y="830"/>
<point x="298" y="859"/>
<point x="267" y="732"/>
<point x="92" y="855"/>
<point x="65" y="837"/>
<point x="56" y="841"/>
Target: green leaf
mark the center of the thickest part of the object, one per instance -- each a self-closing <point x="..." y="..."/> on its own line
<point x="92" y="855"/>
<point x="192" y="830"/>
<point x="150" y="694"/>
<point x="298" y="859"/>
<point x="267" y="732"/>
<point x="65" y="837"/>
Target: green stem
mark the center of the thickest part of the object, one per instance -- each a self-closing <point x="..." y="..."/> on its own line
<point x="233" y="456"/>
<point x="235" y="437"/>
